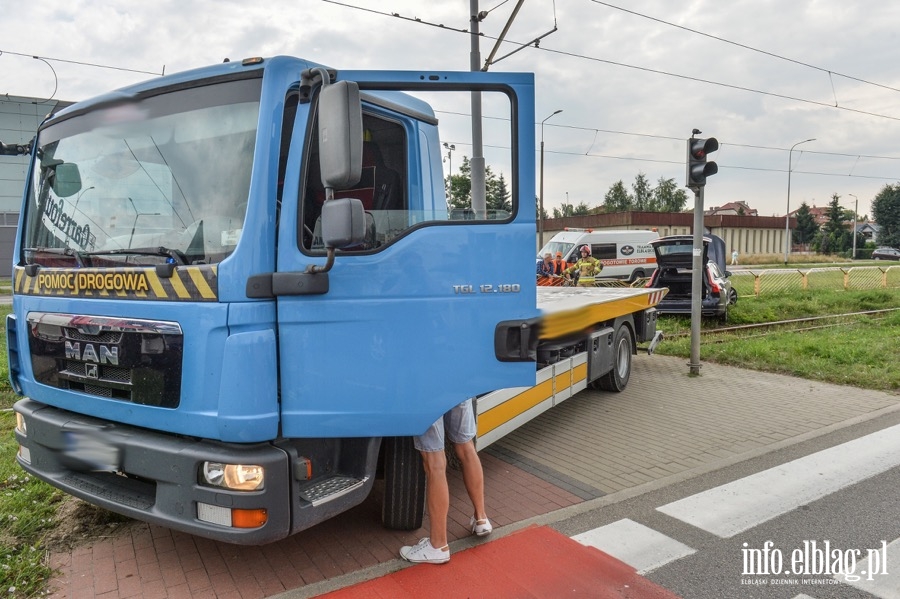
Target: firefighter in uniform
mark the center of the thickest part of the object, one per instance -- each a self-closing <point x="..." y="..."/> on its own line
<point x="586" y="267"/>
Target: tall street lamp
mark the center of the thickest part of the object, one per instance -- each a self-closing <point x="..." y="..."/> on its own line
<point x="541" y="199"/>
<point x="449" y="148"/>
<point x="787" y="214"/>
<point x="853" y="228"/>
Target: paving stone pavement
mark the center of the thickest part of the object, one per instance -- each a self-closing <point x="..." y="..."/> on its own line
<point x="665" y="424"/>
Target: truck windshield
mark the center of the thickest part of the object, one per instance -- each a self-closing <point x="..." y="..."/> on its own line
<point x="143" y="181"/>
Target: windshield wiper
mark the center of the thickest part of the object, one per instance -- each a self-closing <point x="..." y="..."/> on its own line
<point x="177" y="256"/>
<point x="66" y="251"/>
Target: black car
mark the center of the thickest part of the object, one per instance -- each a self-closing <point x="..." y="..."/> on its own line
<point x="674" y="261"/>
<point x="886" y="254"/>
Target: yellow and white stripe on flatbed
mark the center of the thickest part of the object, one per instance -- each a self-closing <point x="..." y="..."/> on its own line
<point x="567" y="310"/>
<point x="505" y="410"/>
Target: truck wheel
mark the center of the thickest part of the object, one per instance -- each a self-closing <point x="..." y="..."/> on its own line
<point x="404" y="485"/>
<point x="617" y="378"/>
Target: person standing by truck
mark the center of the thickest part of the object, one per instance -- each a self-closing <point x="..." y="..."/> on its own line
<point x="586" y="267"/>
<point x="559" y="265"/>
<point x="545" y="266"/>
<point x="459" y="425"/>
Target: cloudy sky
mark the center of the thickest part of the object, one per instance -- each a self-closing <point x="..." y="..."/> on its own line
<point x="632" y="78"/>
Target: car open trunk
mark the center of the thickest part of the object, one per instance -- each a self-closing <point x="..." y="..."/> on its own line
<point x="675" y="264"/>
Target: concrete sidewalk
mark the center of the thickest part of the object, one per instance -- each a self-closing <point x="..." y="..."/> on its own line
<point x="665" y="426"/>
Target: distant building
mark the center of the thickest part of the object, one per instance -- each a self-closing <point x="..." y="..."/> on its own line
<point x="738" y="208"/>
<point x="820" y="215"/>
<point x="869" y="231"/>
<point x="746" y="234"/>
<point x="19" y="120"/>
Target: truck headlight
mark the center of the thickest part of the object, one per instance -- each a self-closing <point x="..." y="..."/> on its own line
<point x="238" y="477"/>
<point x="20" y="424"/>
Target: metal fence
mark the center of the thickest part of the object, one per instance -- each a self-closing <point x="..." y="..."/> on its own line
<point x="754" y="283"/>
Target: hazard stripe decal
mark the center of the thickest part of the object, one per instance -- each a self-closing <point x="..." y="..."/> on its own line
<point x="187" y="283"/>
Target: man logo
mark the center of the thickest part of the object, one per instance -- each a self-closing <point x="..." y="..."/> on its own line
<point x="91" y="371"/>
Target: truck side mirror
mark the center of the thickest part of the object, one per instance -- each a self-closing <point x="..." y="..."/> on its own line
<point x="343" y="223"/>
<point x="340" y="135"/>
<point x="66" y="179"/>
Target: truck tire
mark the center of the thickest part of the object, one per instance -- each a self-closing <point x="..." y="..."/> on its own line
<point x="403" y="507"/>
<point x="617" y="378"/>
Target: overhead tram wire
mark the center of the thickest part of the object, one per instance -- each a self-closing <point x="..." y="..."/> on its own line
<point x="86" y="64"/>
<point x="745" y="46"/>
<point x="629" y="66"/>
<point x="655" y="71"/>
<point x="669" y="138"/>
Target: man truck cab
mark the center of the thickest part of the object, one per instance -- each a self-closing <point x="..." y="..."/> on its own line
<point x="230" y="314"/>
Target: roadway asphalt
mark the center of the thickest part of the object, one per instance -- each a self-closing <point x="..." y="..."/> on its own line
<point x="593" y="452"/>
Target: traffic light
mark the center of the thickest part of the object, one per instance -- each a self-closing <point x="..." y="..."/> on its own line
<point x="698" y="169"/>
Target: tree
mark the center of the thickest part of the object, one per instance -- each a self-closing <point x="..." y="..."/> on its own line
<point x="642" y="193"/>
<point x="537" y="210"/>
<point x="835" y="237"/>
<point x="459" y="189"/>
<point x="807" y="227"/>
<point x="582" y="209"/>
<point x="617" y="198"/>
<point x="886" y="212"/>
<point x="563" y="211"/>
<point x="497" y="194"/>
<point x="667" y="197"/>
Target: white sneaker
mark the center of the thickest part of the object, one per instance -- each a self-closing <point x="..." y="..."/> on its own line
<point x="424" y="553"/>
<point x="481" y="528"/>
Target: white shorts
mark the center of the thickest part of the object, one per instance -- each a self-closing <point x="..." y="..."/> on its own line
<point x="459" y="424"/>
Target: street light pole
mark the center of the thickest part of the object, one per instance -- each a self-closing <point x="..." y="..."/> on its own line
<point x="449" y="148"/>
<point x="787" y="214"/>
<point x="541" y="198"/>
<point x="853" y="228"/>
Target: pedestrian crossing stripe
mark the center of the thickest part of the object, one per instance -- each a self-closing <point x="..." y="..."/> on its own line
<point x="737" y="506"/>
<point x="639" y="546"/>
<point x="745" y="503"/>
<point x="186" y="283"/>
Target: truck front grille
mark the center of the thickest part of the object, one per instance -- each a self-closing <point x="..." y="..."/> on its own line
<point x="137" y="361"/>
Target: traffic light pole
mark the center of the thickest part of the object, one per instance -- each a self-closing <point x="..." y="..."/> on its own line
<point x="696" y="281"/>
<point x="698" y="169"/>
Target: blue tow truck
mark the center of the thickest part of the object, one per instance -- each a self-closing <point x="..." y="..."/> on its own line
<point x="239" y="292"/>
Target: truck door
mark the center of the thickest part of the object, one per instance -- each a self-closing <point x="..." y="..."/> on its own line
<point x="407" y="326"/>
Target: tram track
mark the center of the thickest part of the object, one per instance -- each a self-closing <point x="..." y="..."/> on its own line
<point x="762" y="329"/>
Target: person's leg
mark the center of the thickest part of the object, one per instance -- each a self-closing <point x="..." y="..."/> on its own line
<point x="473" y="476"/>
<point x="437" y="495"/>
<point x="461" y="430"/>
<point x="434" y="548"/>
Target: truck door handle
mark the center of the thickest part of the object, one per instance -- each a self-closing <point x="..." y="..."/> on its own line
<point x="516" y="340"/>
<point x="274" y="284"/>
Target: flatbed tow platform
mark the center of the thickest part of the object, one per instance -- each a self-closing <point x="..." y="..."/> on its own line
<point x="587" y="337"/>
<point x="567" y="310"/>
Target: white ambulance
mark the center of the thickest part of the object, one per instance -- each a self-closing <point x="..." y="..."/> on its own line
<point x="625" y="253"/>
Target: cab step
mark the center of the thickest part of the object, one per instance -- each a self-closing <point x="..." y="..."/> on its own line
<point x="332" y="487"/>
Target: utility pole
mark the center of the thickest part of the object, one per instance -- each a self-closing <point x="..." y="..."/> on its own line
<point x="479" y="203"/>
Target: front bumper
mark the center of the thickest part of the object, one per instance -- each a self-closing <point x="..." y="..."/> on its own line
<point x="151" y="476"/>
